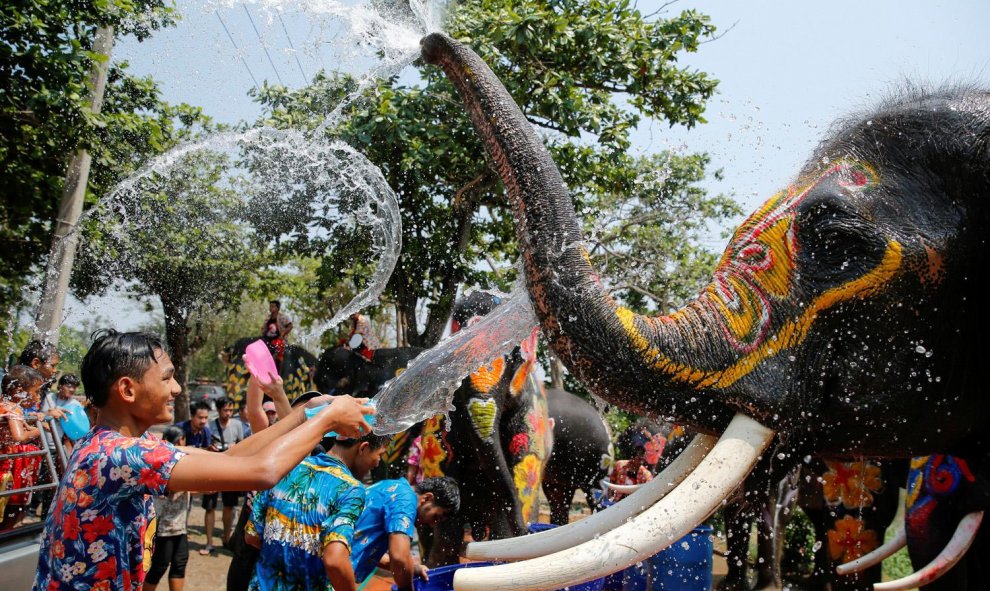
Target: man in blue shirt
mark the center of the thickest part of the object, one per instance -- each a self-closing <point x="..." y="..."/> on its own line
<point x="392" y="509"/>
<point x="304" y="525"/>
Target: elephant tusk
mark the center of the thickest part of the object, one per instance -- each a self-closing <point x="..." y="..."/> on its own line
<point x="961" y="540"/>
<point x="572" y="534"/>
<point x="898" y="541"/>
<point x="697" y="497"/>
<point x="625" y="489"/>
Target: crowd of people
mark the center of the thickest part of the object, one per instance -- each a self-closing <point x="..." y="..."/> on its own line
<point x="118" y="517"/>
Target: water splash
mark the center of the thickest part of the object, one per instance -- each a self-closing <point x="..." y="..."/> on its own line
<point x="427" y="387"/>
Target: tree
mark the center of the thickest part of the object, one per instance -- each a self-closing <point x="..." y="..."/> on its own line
<point x="584" y="73"/>
<point x="174" y="235"/>
<point x="44" y="63"/>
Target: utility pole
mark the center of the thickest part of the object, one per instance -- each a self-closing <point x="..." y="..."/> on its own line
<point x="65" y="239"/>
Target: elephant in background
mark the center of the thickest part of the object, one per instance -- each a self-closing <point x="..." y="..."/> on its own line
<point x="296" y="371"/>
<point x="582" y="453"/>
<point x="498" y="442"/>
<point x="341" y="370"/>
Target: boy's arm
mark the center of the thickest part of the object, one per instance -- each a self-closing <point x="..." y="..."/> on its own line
<point x="400" y="560"/>
<point x="271" y="454"/>
<point x="253" y="411"/>
<point x="337" y="563"/>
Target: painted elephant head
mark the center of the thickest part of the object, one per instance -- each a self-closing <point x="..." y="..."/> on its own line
<point x="296" y="371"/>
<point x="845" y="313"/>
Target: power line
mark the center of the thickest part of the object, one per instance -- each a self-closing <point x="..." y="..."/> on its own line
<point x="263" y="46"/>
<point x="236" y="49"/>
<point x="294" y="54"/>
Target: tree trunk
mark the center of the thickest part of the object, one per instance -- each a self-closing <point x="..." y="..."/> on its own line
<point x="556" y="372"/>
<point x="177" y="339"/>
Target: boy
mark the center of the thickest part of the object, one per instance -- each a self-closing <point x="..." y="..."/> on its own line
<point x="392" y="509"/>
<point x="305" y="524"/>
<point x="98" y="532"/>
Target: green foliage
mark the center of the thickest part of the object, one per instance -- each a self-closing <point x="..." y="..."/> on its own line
<point x="799" y="545"/>
<point x="45" y="62"/>
<point x="585" y="72"/>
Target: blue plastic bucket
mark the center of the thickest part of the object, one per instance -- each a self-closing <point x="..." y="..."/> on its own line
<point x="442" y="577"/>
<point x="685" y="566"/>
<point x="592" y="585"/>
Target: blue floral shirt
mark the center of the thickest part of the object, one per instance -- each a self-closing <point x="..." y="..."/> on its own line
<point x="100" y="530"/>
<point x="314" y="505"/>
<point x="389" y="507"/>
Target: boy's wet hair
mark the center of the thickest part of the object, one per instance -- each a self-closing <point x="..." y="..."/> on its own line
<point x="40" y="350"/>
<point x="115" y="355"/>
<point x="446" y="493"/>
<point x="374" y="441"/>
<point x="20" y="377"/>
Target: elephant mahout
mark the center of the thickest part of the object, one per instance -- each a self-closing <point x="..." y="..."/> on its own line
<point x="296" y="370"/>
<point x="846" y="317"/>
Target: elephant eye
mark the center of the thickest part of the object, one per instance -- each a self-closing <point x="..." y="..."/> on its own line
<point x="835" y="243"/>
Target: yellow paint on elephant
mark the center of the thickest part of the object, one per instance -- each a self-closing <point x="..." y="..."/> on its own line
<point x="433" y="452"/>
<point x="526" y="475"/>
<point x="482" y="412"/>
<point x="790" y="334"/>
<point x="395" y="448"/>
<point x="484" y="379"/>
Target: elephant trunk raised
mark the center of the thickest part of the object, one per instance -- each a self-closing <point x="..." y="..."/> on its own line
<point x="559" y="277"/>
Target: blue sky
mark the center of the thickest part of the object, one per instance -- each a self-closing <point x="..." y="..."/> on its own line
<point x="786" y="70"/>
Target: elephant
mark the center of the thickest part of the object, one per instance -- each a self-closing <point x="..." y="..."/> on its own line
<point x="582" y="453"/>
<point x="849" y="503"/>
<point x="296" y="371"/>
<point x="845" y="318"/>
<point x="340" y="369"/>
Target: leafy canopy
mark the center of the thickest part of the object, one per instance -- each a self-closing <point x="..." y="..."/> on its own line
<point x="583" y="72"/>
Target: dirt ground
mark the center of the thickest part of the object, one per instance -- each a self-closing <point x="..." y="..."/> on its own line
<point x="209" y="573"/>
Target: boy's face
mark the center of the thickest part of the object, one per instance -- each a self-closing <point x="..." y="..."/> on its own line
<point x="198" y="421"/>
<point x="67" y="391"/>
<point x="155" y="392"/>
<point x="427" y="513"/>
<point x="367" y="459"/>
<point x="28" y="397"/>
<point x="46" y="368"/>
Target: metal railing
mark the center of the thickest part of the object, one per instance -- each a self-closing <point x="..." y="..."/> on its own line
<point x="44" y="451"/>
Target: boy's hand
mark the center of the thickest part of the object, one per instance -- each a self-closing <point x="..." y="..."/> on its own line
<point x="345" y="415"/>
<point x="422" y="572"/>
<point x="272" y="387"/>
<point x="58" y="413"/>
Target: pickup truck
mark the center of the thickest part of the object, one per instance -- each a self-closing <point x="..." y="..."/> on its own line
<point x="19" y="546"/>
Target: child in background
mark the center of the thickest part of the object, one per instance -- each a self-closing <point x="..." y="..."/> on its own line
<point x="171" y="541"/>
<point x="19" y="391"/>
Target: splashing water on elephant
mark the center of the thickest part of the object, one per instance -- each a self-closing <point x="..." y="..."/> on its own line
<point x="427" y="387"/>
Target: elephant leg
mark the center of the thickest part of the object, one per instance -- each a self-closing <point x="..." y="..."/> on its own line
<point x="448" y="543"/>
<point x="559" y="497"/>
<point x="738" y="521"/>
